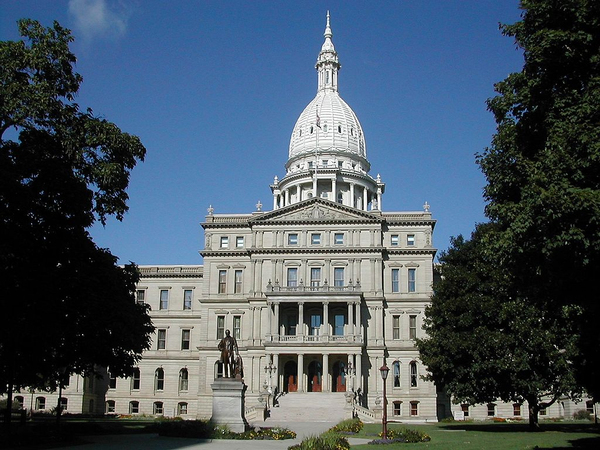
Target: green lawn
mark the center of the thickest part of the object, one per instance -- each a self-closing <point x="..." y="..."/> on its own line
<point x="495" y="436"/>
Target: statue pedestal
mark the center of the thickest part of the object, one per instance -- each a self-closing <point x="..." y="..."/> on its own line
<point x="228" y="404"/>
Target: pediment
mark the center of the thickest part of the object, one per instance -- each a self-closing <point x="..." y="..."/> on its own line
<point x="316" y="210"/>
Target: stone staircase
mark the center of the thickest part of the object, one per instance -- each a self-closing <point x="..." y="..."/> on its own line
<point x="309" y="407"/>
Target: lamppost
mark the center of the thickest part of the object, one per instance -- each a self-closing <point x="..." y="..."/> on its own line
<point x="269" y="370"/>
<point x="384" y="373"/>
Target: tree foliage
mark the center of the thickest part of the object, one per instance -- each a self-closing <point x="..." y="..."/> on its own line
<point x="483" y="344"/>
<point x="67" y="306"/>
<point x="543" y="167"/>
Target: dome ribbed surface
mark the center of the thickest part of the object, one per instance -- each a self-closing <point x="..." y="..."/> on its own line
<point x="339" y="129"/>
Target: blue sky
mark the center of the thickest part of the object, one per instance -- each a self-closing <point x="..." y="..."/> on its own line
<point x="213" y="89"/>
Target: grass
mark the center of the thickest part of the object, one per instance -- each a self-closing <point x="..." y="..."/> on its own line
<point x="493" y="436"/>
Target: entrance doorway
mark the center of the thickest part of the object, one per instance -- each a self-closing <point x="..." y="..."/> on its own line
<point x="290" y="376"/>
<point x="339" y="377"/>
<point x="315" y="377"/>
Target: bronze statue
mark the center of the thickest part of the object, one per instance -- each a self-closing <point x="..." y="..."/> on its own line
<point x="230" y="357"/>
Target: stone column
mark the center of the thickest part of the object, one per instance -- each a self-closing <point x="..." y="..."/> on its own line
<point x="300" y="330"/>
<point x="274" y="201"/>
<point x="300" y="372"/>
<point x="365" y="199"/>
<point x="277" y="319"/>
<point x="358" y="330"/>
<point x="299" y="191"/>
<point x="350" y="319"/>
<point x="326" y="318"/>
<point x="359" y="381"/>
<point x="251" y="334"/>
<point x="326" y="382"/>
<point x="287" y="197"/>
<point x="379" y="199"/>
<point x="277" y="372"/>
<point x="334" y="189"/>
<point x="352" y="200"/>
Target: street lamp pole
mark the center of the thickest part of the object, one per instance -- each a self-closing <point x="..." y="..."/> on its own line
<point x="384" y="373"/>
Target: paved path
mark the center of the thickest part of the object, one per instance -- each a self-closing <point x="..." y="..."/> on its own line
<point x="155" y="442"/>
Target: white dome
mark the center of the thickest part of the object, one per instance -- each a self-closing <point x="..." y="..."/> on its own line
<point x="327" y="124"/>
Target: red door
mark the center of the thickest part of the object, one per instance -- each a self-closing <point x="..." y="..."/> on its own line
<point x="291" y="376"/>
<point x="339" y="377"/>
<point x="315" y="377"/>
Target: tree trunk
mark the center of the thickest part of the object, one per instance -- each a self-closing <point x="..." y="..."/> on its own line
<point x="534" y="409"/>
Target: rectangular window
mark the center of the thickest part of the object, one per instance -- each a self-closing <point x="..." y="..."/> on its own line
<point x="239" y="242"/>
<point x="516" y="409"/>
<point x="292" y="239"/>
<point x="238" y="281"/>
<point x="185" y="339"/>
<point x="339" y="321"/>
<point x="412" y="280"/>
<point x="414" y="408"/>
<point x="338" y="276"/>
<point x="543" y="412"/>
<point x="161" y="340"/>
<point x="182" y="409"/>
<point x="315" y="276"/>
<point x="164" y="299"/>
<point x="64" y="402"/>
<point x="394" y="239"/>
<point x="465" y="409"/>
<point x="395" y="280"/>
<point x="339" y="238"/>
<point x="140" y="296"/>
<point x="220" y="327"/>
<point x="135" y="379"/>
<point x="187" y="299"/>
<point x="412" y="327"/>
<point x="315" y="238"/>
<point x="396" y="368"/>
<point x="237" y="327"/>
<point x="291" y="325"/>
<point x="396" y="327"/>
<point x="224" y="242"/>
<point x="110" y="406"/>
<point x="158" y="407"/>
<point x="40" y="403"/>
<point x="410" y="240"/>
<point x="112" y="381"/>
<point x="134" y="407"/>
<point x="222" y="281"/>
<point x="397" y="408"/>
<point x="491" y="409"/>
<point x="315" y="324"/>
<point x="292" y="276"/>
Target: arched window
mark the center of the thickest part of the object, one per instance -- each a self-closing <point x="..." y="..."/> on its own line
<point x="339" y="128"/>
<point x="159" y="379"/>
<point x="182" y="409"/>
<point x="134" y="407"/>
<point x="135" y="379"/>
<point x="157" y="408"/>
<point x="413" y="374"/>
<point x="396" y="368"/>
<point x="311" y="130"/>
<point x="183" y="380"/>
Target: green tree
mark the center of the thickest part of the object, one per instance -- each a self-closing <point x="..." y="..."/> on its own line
<point x="543" y="169"/>
<point x="483" y="344"/>
<point x="68" y="307"/>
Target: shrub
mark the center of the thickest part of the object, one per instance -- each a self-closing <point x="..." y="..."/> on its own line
<point x="582" y="414"/>
<point x="326" y="441"/>
<point x="402" y="435"/>
<point x="348" y="426"/>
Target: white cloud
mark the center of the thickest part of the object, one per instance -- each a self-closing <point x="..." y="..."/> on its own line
<point x="98" y="19"/>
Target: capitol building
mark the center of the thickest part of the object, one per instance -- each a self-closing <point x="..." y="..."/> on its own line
<point x="320" y="289"/>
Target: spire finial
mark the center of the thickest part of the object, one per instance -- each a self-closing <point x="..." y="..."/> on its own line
<point x="328" y="33"/>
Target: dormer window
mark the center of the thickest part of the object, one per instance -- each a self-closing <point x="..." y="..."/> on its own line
<point x="325" y="128"/>
<point x="339" y="128"/>
<point x="311" y="130"/>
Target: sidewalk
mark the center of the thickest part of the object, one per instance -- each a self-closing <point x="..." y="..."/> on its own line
<point x="155" y="442"/>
